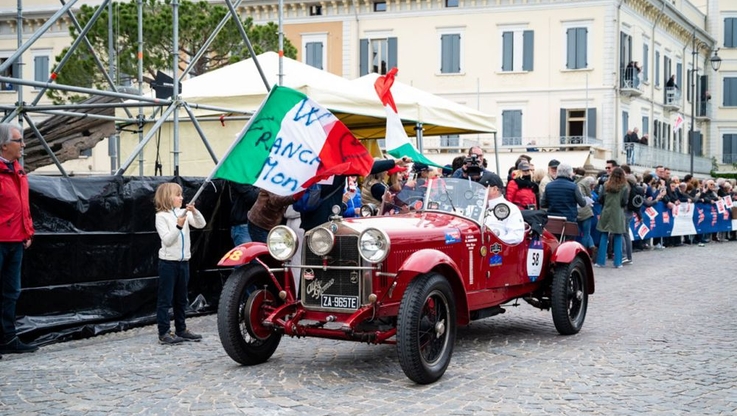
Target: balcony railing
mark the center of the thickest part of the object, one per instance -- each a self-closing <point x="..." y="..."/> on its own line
<point x="730" y="158"/>
<point x="703" y="109"/>
<point x="672" y="97"/>
<point x="641" y="155"/>
<point x="630" y="83"/>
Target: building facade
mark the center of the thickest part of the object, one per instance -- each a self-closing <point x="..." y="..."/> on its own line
<point x="555" y="73"/>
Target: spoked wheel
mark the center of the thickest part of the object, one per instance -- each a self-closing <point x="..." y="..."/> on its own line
<point x="426" y="328"/>
<point x="248" y="297"/>
<point x="569" y="297"/>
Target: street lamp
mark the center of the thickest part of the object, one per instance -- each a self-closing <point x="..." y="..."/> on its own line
<point x="716" y="62"/>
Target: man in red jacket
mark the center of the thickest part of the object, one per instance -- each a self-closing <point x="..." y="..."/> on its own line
<point x="16" y="232"/>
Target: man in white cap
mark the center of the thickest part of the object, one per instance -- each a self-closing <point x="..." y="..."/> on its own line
<point x="504" y="219"/>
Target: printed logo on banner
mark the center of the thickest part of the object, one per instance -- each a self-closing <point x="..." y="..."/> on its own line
<point x="534" y="259"/>
<point x="728" y="201"/>
<point x="642" y="231"/>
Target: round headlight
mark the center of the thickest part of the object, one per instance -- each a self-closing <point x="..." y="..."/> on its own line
<point x="373" y="245"/>
<point x="321" y="241"/>
<point x="368" y="210"/>
<point x="281" y="242"/>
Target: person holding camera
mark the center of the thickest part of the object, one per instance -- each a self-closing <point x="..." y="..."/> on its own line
<point x="473" y="165"/>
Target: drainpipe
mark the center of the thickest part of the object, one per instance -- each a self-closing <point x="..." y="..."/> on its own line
<point x="617" y="81"/>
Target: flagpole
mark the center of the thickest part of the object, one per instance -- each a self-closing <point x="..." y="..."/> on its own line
<point x="232" y="146"/>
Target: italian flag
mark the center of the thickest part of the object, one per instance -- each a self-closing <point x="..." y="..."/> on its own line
<point x="397" y="141"/>
<point x="290" y="143"/>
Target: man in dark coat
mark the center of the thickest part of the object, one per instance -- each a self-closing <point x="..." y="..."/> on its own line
<point x="562" y="197"/>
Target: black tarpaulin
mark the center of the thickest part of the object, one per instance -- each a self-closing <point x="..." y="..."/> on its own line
<point x="92" y="267"/>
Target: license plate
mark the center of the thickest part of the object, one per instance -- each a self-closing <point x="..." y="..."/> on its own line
<point x="340" y="302"/>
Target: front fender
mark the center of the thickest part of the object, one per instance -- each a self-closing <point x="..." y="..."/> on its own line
<point x="427" y="260"/>
<point x="244" y="253"/>
<point x="569" y="250"/>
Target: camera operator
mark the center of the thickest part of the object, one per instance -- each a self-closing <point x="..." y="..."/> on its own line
<point x="473" y="165"/>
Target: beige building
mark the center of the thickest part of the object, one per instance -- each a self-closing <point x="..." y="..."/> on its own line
<point x="555" y="73"/>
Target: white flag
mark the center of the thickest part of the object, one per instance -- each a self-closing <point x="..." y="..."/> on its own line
<point x="678" y="123"/>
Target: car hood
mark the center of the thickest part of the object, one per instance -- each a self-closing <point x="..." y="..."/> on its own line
<point x="421" y="224"/>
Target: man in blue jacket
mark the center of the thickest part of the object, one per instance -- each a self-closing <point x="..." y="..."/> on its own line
<point x="562" y="197"/>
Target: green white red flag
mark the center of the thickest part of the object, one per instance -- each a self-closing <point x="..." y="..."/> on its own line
<point x="291" y="143"/>
<point x="397" y="141"/>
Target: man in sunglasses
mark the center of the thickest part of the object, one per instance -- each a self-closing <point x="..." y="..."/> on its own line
<point x="16" y="232"/>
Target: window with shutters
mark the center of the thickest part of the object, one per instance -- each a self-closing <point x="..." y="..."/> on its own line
<point x="657" y="68"/>
<point x="645" y="125"/>
<point x="730" y="32"/>
<point x="730" y="92"/>
<point x="577" y="47"/>
<point x="517" y="50"/>
<point x="511" y="127"/>
<point x="41" y="68"/>
<point x="729" y="148"/>
<point x="314" y="50"/>
<point x="451" y="3"/>
<point x="379" y="6"/>
<point x="450" y="53"/>
<point x="377" y="55"/>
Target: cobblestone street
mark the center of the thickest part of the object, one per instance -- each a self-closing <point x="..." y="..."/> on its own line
<point x="659" y="338"/>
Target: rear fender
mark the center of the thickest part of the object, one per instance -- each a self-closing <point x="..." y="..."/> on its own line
<point x="427" y="260"/>
<point x="569" y="250"/>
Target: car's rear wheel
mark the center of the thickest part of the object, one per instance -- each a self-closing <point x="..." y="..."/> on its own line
<point x="247" y="298"/>
<point x="569" y="297"/>
<point x="426" y="328"/>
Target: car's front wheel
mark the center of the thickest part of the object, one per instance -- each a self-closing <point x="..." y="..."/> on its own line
<point x="247" y="298"/>
<point x="426" y="328"/>
<point x="569" y="297"/>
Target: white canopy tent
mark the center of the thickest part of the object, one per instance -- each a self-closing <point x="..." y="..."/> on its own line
<point x="239" y="87"/>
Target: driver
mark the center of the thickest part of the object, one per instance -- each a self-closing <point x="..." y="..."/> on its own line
<point x="504" y="218"/>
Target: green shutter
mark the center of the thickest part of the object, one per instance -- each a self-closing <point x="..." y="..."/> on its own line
<point x="528" y="50"/>
<point x="392" y="58"/>
<point x="591" y="123"/>
<point x="508" y="51"/>
<point x="363" y="64"/>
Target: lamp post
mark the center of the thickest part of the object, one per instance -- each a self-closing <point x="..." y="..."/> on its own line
<point x="716" y="62"/>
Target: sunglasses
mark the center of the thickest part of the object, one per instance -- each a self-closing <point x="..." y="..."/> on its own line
<point x="19" y="141"/>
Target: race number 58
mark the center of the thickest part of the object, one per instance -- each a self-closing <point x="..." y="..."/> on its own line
<point x="534" y="260"/>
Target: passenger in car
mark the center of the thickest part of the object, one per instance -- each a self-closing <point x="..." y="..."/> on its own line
<point x="504" y="219"/>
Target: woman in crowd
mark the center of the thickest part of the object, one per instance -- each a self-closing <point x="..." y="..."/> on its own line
<point x="521" y="190"/>
<point x="612" y="221"/>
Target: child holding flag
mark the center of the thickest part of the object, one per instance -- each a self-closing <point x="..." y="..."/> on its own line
<point x="172" y="225"/>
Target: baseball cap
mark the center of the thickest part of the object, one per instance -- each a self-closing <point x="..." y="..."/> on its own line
<point x="396" y="169"/>
<point x="523" y="165"/>
<point x="553" y="163"/>
<point x="419" y="167"/>
<point x="491" y="179"/>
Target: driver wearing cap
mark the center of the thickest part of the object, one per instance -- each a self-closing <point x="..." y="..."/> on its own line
<point x="504" y="218"/>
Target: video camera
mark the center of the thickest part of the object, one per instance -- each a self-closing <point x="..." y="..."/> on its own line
<point x="473" y="165"/>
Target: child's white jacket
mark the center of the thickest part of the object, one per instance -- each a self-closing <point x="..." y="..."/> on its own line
<point x="175" y="244"/>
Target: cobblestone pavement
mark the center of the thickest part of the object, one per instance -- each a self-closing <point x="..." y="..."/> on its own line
<point x="659" y="338"/>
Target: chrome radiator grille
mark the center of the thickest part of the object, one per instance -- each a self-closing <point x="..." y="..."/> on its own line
<point x="324" y="288"/>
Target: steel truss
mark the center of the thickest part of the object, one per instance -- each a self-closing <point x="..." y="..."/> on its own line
<point x="167" y="108"/>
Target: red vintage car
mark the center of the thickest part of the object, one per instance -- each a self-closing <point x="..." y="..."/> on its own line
<point x="408" y="279"/>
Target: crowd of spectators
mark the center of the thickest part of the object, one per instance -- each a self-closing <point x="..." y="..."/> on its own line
<point x="394" y="186"/>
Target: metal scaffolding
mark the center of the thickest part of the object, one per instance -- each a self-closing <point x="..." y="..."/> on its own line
<point x="167" y="108"/>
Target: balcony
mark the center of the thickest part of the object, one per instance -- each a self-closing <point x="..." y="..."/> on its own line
<point x="672" y="99"/>
<point x="703" y="110"/>
<point x="641" y="155"/>
<point x="630" y="85"/>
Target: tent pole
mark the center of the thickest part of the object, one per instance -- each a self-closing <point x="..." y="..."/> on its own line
<point x="148" y="137"/>
<point x="175" y="76"/>
<point x="197" y="127"/>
